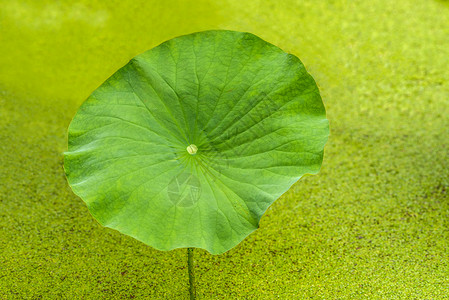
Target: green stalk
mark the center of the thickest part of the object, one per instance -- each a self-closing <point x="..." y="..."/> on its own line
<point x="192" y="289"/>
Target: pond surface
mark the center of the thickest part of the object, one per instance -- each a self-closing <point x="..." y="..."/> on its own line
<point x="373" y="224"/>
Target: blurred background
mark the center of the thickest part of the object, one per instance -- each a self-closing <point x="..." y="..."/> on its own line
<point x="374" y="224"/>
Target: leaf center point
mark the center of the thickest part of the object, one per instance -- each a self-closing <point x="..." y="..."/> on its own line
<point x="192" y="149"/>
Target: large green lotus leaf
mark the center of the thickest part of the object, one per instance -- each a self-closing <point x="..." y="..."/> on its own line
<point x="189" y="143"/>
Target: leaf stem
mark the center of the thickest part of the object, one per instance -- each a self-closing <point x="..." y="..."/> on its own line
<point x="192" y="289"/>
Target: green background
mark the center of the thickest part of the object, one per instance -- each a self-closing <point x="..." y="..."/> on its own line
<point x="374" y="224"/>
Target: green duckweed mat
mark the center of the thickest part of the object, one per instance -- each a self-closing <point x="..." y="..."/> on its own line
<point x="374" y="224"/>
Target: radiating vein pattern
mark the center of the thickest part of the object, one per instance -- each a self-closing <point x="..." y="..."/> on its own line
<point x="189" y="143"/>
